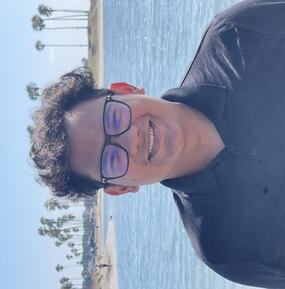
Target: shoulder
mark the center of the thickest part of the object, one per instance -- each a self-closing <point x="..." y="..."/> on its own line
<point x="220" y="57"/>
<point x="209" y="63"/>
<point x="253" y="273"/>
<point x="259" y="16"/>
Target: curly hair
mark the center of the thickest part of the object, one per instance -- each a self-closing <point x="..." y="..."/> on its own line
<point x="50" y="148"/>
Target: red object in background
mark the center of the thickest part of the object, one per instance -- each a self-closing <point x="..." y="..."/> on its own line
<point x="125" y="88"/>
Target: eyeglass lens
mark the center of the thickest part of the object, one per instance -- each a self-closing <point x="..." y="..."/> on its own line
<point x="117" y="119"/>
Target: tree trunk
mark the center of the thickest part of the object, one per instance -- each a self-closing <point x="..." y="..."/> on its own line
<point x="66" y="17"/>
<point x="70" y="11"/>
<point x="66" y="45"/>
<point x="69" y="19"/>
<point x="59" y="28"/>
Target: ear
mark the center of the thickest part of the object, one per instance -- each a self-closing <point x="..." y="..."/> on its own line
<point x="125" y="88"/>
<point x="116" y="190"/>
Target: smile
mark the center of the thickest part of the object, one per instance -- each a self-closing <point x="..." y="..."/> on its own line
<point x="154" y="140"/>
<point x="151" y="140"/>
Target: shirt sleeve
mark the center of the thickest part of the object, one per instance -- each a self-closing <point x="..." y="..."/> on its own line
<point x="260" y="16"/>
<point x="249" y="273"/>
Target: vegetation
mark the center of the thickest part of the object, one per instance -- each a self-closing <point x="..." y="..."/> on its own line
<point x="74" y="234"/>
<point x="38" y="23"/>
<point x="64" y="18"/>
<point x="69" y="232"/>
<point x="30" y="131"/>
<point x="48" y="11"/>
<point x="40" y="46"/>
<point x="33" y="91"/>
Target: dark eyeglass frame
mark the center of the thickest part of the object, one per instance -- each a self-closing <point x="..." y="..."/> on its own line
<point x="107" y="141"/>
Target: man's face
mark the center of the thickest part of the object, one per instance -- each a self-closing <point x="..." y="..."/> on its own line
<point x="86" y="135"/>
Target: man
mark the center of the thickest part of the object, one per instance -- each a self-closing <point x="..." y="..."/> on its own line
<point x="217" y="141"/>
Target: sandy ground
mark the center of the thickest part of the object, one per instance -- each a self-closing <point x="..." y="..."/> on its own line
<point x="96" y="41"/>
<point x="105" y="269"/>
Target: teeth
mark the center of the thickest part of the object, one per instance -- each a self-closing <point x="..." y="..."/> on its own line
<point x="151" y="138"/>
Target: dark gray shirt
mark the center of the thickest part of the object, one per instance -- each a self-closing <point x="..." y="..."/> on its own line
<point x="234" y="209"/>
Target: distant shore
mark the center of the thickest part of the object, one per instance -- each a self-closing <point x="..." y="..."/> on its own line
<point x="105" y="266"/>
<point x="95" y="41"/>
<point x="105" y="270"/>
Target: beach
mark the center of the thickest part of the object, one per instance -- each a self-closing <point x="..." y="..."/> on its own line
<point x="95" y="41"/>
<point x="105" y="266"/>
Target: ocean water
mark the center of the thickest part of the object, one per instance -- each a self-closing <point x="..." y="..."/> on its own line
<point x="151" y="43"/>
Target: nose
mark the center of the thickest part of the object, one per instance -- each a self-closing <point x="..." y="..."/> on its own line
<point x="128" y="140"/>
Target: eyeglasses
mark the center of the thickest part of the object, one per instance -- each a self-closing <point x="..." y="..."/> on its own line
<point x="117" y="118"/>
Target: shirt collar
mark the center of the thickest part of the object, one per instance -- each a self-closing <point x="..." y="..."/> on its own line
<point x="209" y="99"/>
<point x="198" y="183"/>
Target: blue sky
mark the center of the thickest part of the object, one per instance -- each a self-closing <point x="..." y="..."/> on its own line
<point x="26" y="259"/>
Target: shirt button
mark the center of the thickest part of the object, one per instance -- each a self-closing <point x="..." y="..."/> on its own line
<point x="253" y="152"/>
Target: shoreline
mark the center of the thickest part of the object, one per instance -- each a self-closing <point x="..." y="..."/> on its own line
<point x="96" y="41"/>
<point x="104" y="274"/>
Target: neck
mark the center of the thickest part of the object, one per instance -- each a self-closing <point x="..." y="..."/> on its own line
<point x="203" y="141"/>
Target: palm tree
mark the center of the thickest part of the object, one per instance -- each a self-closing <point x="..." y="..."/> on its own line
<point x="58" y="243"/>
<point x="69" y="257"/>
<point x="44" y="10"/>
<point x="38" y="24"/>
<point x="68" y="18"/>
<point x="63" y="280"/>
<point x="75" y="252"/>
<point x="42" y="231"/>
<point x="59" y="268"/>
<point x="61" y="18"/>
<point x="33" y="90"/>
<point x="40" y="46"/>
<point x="66" y="283"/>
<point x="62" y="224"/>
<point x="47" y="11"/>
<point x="52" y="203"/>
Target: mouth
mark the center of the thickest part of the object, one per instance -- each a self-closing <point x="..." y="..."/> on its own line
<point x="153" y="141"/>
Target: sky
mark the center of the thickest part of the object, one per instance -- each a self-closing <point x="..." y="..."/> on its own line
<point x="27" y="260"/>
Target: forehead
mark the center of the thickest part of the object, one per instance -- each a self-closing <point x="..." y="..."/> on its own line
<point x="85" y="133"/>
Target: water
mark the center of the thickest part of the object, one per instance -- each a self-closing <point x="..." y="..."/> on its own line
<point x="151" y="43"/>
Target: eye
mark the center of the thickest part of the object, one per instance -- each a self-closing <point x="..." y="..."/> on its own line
<point x="116" y="119"/>
<point x="110" y="160"/>
<point x="113" y="159"/>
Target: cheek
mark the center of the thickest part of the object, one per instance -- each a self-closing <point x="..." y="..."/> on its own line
<point x="142" y="106"/>
<point x="138" y="111"/>
<point x="143" y="174"/>
<point x="136" y="172"/>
